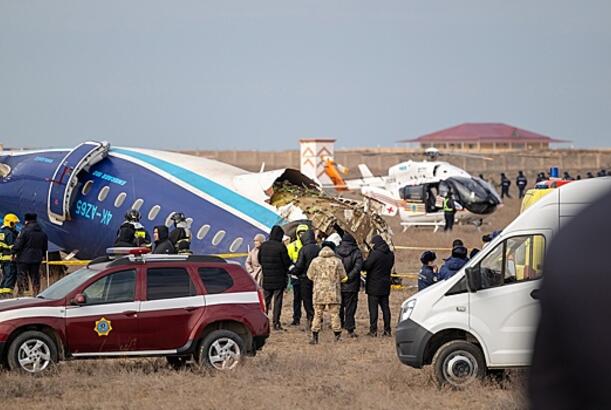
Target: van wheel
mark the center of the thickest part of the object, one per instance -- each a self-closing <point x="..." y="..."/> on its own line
<point x="221" y="350"/>
<point x="32" y="352"/>
<point x="458" y="364"/>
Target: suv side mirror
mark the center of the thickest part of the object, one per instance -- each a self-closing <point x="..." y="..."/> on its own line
<point x="474" y="278"/>
<point x="79" y="299"/>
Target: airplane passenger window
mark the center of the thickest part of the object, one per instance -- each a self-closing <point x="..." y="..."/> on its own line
<point x="120" y="199"/>
<point x="203" y="231"/>
<point x="218" y="237"/>
<point x="154" y="212"/>
<point x="87" y="187"/>
<point x="138" y="204"/>
<point x="168" y="220"/>
<point x="103" y="193"/>
<point x="235" y="245"/>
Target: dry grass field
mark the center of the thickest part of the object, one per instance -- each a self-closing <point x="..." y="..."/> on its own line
<point x="288" y="373"/>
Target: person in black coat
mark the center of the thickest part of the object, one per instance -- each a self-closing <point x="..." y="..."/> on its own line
<point x="352" y="259"/>
<point x="275" y="264"/>
<point x="30" y="250"/>
<point x="571" y="360"/>
<point x="378" y="266"/>
<point x="307" y="253"/>
<point x="163" y="244"/>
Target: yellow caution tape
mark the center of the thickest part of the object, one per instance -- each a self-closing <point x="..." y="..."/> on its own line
<point x="405" y="275"/>
<point x="230" y="255"/>
<point x="421" y="248"/>
<point x="67" y="263"/>
<point x="86" y="262"/>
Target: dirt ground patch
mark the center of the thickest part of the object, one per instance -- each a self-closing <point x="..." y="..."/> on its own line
<point x="288" y="373"/>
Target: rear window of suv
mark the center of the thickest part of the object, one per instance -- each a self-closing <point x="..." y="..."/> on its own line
<point x="168" y="283"/>
<point x="216" y="280"/>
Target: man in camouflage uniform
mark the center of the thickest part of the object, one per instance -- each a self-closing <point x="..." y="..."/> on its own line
<point x="326" y="272"/>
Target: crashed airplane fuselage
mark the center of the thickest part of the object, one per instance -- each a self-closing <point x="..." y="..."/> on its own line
<point x="81" y="196"/>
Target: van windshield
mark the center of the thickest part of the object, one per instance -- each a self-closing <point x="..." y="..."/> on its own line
<point x="67" y="284"/>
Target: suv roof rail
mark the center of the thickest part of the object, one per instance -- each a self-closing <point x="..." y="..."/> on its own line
<point x="126" y="260"/>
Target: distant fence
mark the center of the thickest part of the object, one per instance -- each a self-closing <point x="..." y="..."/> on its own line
<point x="379" y="160"/>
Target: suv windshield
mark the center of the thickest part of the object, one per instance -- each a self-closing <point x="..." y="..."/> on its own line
<point x="65" y="285"/>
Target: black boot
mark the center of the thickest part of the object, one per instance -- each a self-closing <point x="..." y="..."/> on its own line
<point x="352" y="334"/>
<point x="338" y="336"/>
<point x="314" y="339"/>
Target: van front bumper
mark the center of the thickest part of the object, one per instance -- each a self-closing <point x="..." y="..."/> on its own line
<point x="411" y="340"/>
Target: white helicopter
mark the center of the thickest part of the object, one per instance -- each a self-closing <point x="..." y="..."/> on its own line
<point x="414" y="190"/>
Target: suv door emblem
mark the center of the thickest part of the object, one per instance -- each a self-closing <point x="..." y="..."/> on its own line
<point x="102" y="327"/>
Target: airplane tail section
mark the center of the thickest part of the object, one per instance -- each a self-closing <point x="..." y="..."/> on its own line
<point x="365" y="172"/>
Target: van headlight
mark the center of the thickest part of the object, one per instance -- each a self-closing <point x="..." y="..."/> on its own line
<point x="407" y="308"/>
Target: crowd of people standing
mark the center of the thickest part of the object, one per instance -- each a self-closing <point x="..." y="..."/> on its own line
<point x="325" y="275"/>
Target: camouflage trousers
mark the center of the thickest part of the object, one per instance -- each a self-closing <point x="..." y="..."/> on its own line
<point x="333" y="310"/>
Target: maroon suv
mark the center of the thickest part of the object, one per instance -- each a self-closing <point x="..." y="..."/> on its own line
<point x="179" y="306"/>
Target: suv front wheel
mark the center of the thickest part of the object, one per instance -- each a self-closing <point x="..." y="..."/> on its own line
<point x="221" y="350"/>
<point x="32" y="352"/>
<point x="458" y="363"/>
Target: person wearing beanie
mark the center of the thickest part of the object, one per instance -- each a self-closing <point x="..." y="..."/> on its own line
<point x="307" y="254"/>
<point x="454" y="263"/>
<point x="428" y="271"/>
<point x="275" y="264"/>
<point x="352" y="258"/>
<point x="30" y="250"/>
<point x="378" y="266"/>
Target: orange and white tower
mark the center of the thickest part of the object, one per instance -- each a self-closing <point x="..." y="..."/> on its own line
<point x="314" y="153"/>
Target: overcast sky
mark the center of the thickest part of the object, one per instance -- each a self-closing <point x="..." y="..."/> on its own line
<point x="250" y="74"/>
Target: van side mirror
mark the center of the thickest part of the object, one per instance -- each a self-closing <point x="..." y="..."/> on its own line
<point x="79" y="300"/>
<point x="474" y="278"/>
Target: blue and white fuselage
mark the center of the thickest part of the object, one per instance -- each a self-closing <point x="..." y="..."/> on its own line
<point x="228" y="205"/>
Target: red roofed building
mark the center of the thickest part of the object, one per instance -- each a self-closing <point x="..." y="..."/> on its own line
<point x="485" y="137"/>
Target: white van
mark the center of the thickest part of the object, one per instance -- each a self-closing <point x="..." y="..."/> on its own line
<point x="485" y="316"/>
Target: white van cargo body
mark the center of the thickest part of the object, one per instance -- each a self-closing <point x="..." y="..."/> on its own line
<point x="485" y="316"/>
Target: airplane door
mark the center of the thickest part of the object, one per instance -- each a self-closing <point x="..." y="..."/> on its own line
<point x="505" y="313"/>
<point x="65" y="177"/>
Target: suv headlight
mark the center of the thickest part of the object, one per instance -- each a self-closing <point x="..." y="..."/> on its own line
<point x="407" y="308"/>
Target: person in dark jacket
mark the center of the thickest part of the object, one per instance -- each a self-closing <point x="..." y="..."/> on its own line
<point x="454" y="263"/>
<point x="378" y="266"/>
<point x="181" y="235"/>
<point x="571" y="358"/>
<point x="521" y="182"/>
<point x="162" y="244"/>
<point x="352" y="259"/>
<point x="428" y="271"/>
<point x="275" y="264"/>
<point x="30" y="249"/>
<point x="131" y="232"/>
<point x="505" y="184"/>
<point x="307" y="253"/>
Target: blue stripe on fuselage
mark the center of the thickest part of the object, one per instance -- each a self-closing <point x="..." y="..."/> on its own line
<point x="221" y="193"/>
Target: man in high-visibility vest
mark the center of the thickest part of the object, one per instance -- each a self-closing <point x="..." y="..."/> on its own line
<point x="293" y="249"/>
<point x="449" y="210"/>
<point x="8" y="236"/>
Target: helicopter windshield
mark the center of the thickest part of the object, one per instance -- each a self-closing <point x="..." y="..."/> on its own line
<point x="474" y="194"/>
